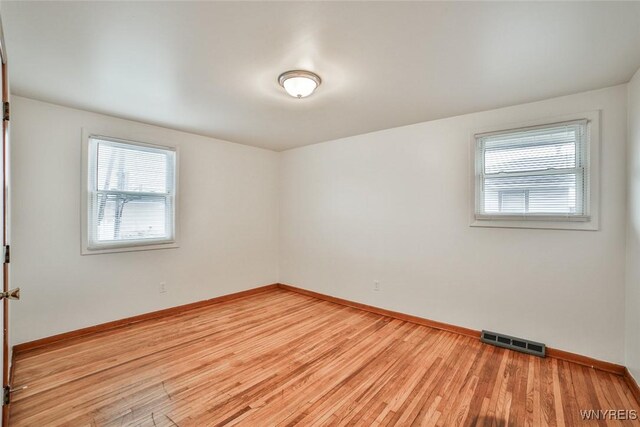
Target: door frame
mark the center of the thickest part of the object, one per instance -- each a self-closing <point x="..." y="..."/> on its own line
<point x="5" y="221"/>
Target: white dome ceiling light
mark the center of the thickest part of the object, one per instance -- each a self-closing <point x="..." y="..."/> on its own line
<point x="299" y="83"/>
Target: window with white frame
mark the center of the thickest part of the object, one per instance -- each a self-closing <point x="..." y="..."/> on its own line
<point x="130" y="195"/>
<point x="534" y="173"/>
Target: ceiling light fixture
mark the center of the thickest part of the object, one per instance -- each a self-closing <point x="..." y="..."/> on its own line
<point x="299" y="83"/>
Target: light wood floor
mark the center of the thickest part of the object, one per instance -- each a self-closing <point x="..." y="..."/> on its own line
<point x="281" y="358"/>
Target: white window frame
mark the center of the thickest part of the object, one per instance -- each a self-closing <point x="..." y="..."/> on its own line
<point x="87" y="248"/>
<point x="588" y="221"/>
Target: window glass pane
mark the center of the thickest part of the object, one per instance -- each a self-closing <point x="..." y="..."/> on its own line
<point x="559" y="154"/>
<point x="531" y="194"/>
<point x="512" y="201"/>
<point x="533" y="171"/>
<point x="132" y="169"/>
<point x="559" y="200"/>
<point x="122" y="217"/>
<point x="132" y="194"/>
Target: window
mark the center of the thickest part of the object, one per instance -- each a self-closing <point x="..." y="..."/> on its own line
<point x="537" y="173"/>
<point x="130" y="198"/>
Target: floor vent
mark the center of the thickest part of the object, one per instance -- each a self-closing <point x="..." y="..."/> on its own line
<point x="513" y="343"/>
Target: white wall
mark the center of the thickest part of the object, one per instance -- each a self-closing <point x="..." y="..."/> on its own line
<point x="393" y="206"/>
<point x="632" y="348"/>
<point x="228" y="214"/>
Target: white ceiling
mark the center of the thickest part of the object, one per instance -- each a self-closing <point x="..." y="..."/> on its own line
<point x="211" y="68"/>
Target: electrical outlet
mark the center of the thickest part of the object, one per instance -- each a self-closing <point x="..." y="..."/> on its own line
<point x="163" y="287"/>
<point x="376" y="285"/>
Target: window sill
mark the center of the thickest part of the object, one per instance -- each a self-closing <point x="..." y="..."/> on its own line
<point x="547" y="218"/>
<point x="549" y="223"/>
<point x="128" y="248"/>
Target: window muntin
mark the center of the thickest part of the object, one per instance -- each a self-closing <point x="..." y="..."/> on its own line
<point x="533" y="173"/>
<point x="131" y="194"/>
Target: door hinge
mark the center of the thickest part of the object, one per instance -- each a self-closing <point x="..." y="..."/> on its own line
<point x="7" y="254"/>
<point x="12" y="294"/>
<point x="5" y="111"/>
<point x="7" y="391"/>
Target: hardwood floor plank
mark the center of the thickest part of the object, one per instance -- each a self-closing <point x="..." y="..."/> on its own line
<point x="283" y="358"/>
